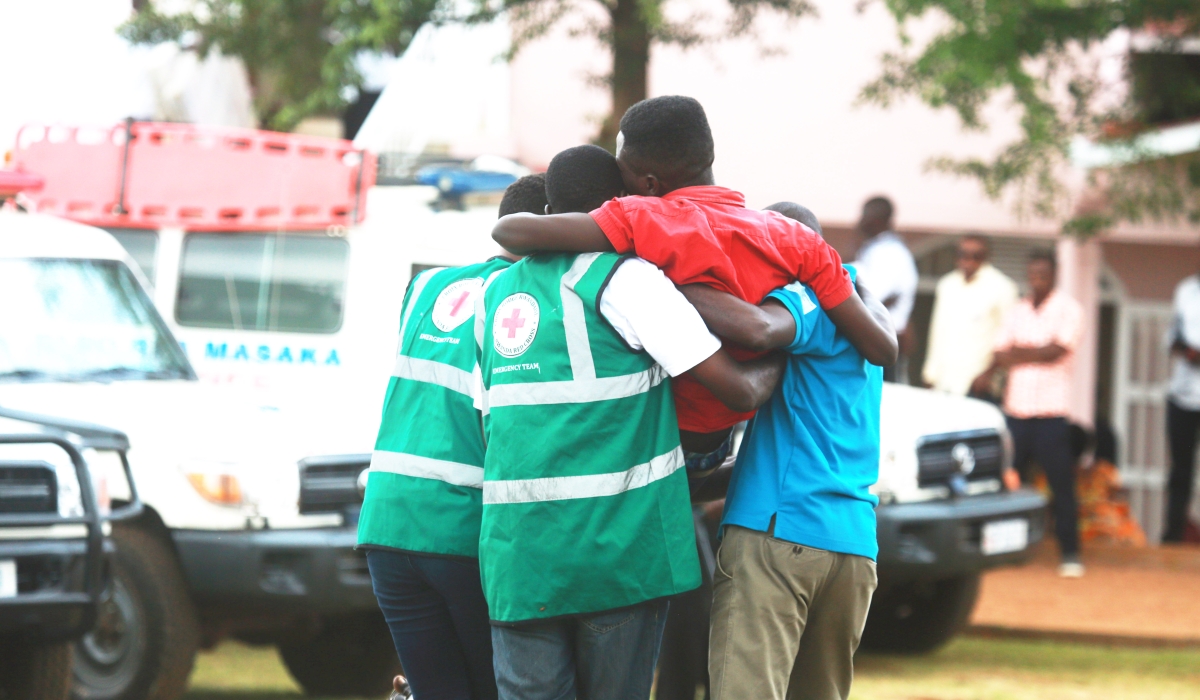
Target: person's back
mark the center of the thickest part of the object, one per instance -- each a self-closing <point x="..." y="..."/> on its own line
<point x="827" y="413"/>
<point x="559" y="388"/>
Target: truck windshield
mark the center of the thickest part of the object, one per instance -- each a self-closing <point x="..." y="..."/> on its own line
<point x="81" y="320"/>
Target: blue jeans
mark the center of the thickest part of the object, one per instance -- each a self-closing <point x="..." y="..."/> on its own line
<point x="435" y="609"/>
<point x="603" y="656"/>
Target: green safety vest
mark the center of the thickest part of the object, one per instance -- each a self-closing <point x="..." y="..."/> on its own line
<point x="424" y="486"/>
<point x="585" y="499"/>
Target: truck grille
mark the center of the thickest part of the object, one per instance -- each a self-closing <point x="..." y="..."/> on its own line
<point x="330" y="484"/>
<point x="975" y="456"/>
<point x="28" y="488"/>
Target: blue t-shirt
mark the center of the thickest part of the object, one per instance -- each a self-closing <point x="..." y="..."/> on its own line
<point x="811" y="453"/>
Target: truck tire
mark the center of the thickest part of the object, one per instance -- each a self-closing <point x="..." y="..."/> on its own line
<point x="917" y="618"/>
<point x="35" y="672"/>
<point x="146" y="634"/>
<point x="351" y="656"/>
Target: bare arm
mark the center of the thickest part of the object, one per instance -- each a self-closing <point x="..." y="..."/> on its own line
<point x="868" y="326"/>
<point x="742" y="386"/>
<point x="758" y="328"/>
<point x="1026" y="355"/>
<point x="569" y="233"/>
<point x="1013" y="356"/>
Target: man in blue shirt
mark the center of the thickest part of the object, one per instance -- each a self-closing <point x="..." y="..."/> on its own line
<point x="796" y="568"/>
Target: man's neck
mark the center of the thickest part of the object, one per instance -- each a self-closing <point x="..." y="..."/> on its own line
<point x="704" y="179"/>
<point x="1039" y="300"/>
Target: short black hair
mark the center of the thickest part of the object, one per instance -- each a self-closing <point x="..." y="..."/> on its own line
<point x="526" y="195"/>
<point x="669" y="135"/>
<point x="879" y="207"/>
<point x="581" y="179"/>
<point x="1046" y="256"/>
<point x="798" y="212"/>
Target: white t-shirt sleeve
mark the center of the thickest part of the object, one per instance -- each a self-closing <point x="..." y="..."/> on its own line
<point x="652" y="315"/>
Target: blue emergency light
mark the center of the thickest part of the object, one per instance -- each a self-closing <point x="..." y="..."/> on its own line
<point x="454" y="182"/>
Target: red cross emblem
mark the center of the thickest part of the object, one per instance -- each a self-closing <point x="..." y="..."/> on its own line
<point x="513" y="323"/>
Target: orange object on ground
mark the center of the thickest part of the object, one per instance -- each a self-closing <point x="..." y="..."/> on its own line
<point x="1104" y="514"/>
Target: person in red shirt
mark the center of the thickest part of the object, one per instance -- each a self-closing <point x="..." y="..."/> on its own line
<point x="697" y="232"/>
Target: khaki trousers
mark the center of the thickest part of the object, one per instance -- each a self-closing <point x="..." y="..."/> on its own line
<point x="786" y="619"/>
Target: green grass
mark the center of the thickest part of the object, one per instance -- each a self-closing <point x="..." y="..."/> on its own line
<point x="967" y="669"/>
<point x="991" y="669"/>
<point x="235" y="671"/>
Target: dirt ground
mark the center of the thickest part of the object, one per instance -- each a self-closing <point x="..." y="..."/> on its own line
<point x="1150" y="594"/>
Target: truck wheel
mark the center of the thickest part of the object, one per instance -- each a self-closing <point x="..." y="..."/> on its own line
<point x="349" y="657"/>
<point x="920" y="617"/>
<point x="146" y="633"/>
<point x="29" y="672"/>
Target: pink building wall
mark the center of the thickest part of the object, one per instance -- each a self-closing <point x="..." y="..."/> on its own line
<point x="787" y="126"/>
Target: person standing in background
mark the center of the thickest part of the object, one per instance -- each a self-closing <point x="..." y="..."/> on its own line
<point x="1183" y="406"/>
<point x="1037" y="346"/>
<point x="887" y="269"/>
<point x="969" y="307"/>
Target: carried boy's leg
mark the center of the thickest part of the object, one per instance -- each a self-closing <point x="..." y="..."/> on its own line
<point x="825" y="665"/>
<point x="534" y="661"/>
<point x="761" y="595"/>
<point x="616" y="651"/>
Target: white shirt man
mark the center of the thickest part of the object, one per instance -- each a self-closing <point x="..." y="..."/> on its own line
<point x="886" y="268"/>
<point x="1184" y="389"/>
<point x="1183" y="407"/>
<point x="969" y="308"/>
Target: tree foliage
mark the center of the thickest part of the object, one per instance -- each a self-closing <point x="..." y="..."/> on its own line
<point x="1039" y="55"/>
<point x="300" y="54"/>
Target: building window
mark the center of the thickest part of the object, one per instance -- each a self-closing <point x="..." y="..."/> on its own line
<point x="285" y="282"/>
<point x="1165" y="86"/>
<point x="141" y="245"/>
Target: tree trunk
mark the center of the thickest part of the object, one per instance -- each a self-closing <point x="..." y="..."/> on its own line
<point x="631" y="60"/>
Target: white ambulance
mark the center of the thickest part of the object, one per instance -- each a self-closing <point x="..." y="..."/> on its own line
<point x="247" y="528"/>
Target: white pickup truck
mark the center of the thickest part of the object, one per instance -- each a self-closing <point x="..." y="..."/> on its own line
<point x="251" y="476"/>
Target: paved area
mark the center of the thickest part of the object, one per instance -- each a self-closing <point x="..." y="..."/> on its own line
<point x="1149" y="595"/>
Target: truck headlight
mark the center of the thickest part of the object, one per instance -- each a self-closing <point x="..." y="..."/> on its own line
<point x="215" y="484"/>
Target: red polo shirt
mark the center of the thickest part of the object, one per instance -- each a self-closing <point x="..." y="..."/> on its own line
<point x="706" y="234"/>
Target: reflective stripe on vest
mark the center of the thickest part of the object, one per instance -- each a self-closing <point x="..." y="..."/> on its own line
<point x="576" y="391"/>
<point x="584" y="386"/>
<point x="427" y="468"/>
<point x="431" y="372"/>
<point x="562" y="488"/>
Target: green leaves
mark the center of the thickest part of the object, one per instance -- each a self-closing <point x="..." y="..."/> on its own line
<point x="1034" y="54"/>
<point x="299" y="54"/>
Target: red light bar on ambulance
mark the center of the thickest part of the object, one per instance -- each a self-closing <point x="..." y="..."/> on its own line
<point x="149" y="175"/>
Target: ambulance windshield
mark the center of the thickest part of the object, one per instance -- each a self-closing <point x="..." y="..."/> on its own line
<point x="81" y="320"/>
